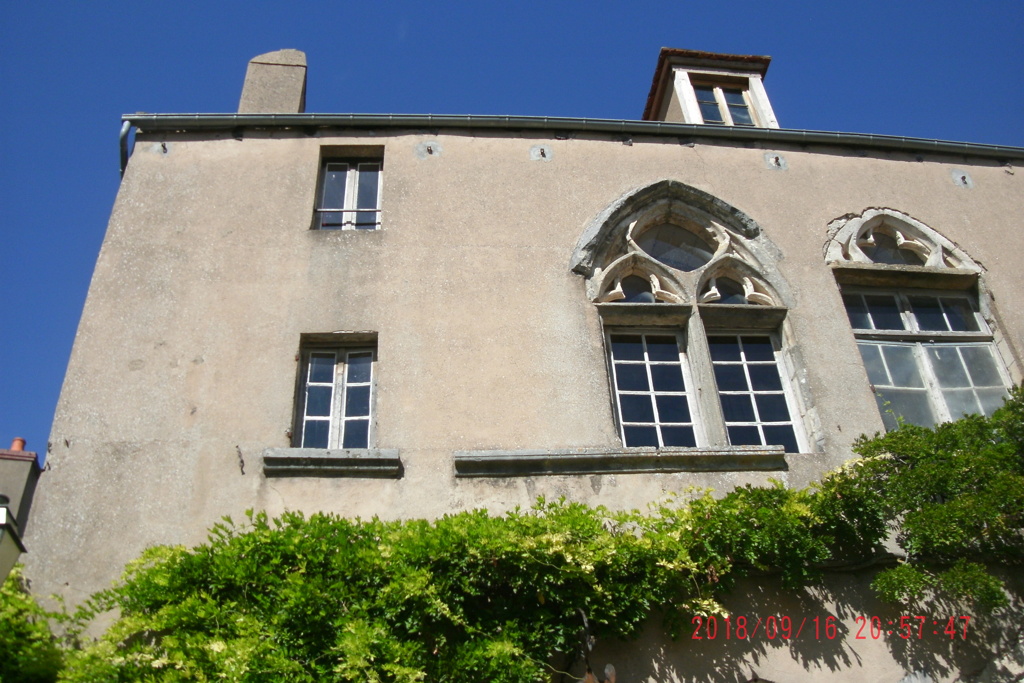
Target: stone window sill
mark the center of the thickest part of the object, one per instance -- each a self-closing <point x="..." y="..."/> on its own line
<point x="323" y="462"/>
<point x="499" y="463"/>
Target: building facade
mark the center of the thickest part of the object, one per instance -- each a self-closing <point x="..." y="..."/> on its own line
<point x="406" y="316"/>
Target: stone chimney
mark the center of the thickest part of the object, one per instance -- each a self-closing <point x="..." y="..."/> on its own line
<point x="275" y="83"/>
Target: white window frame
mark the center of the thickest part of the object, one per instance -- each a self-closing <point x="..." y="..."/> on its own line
<point x="781" y="367"/>
<point x="750" y="84"/>
<point x="919" y="341"/>
<point x="688" y="383"/>
<point x="339" y="385"/>
<point x="706" y="413"/>
<point x="723" y="106"/>
<point x="349" y="211"/>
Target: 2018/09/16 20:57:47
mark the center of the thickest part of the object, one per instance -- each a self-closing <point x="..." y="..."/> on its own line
<point x="829" y="627"/>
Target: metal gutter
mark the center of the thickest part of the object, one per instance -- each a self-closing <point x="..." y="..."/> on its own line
<point x="892" y="143"/>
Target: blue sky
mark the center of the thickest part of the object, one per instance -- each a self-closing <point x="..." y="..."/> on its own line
<point x="68" y="70"/>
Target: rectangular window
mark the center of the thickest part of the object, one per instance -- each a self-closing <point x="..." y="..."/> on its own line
<point x="336" y="398"/>
<point x="929" y="357"/>
<point x="652" y="377"/>
<point x="724" y="105"/>
<point x="649" y="376"/>
<point x="349" y="195"/>
<point x="750" y="389"/>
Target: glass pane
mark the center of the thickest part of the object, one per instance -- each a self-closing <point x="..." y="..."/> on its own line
<point x="758" y="348"/>
<point x="885" y="313"/>
<point x="960" y="402"/>
<point x="947" y="366"/>
<point x="333" y="195"/>
<point x="902" y="366"/>
<point x="737" y="407"/>
<point x="637" y="290"/>
<point x="981" y="365"/>
<point x="662" y="349"/>
<point x="360" y="366"/>
<point x="631" y="377"/>
<point x="730" y="378"/>
<point x="912" y="406"/>
<point x="676" y="246"/>
<point x="765" y="377"/>
<point x="781" y="435"/>
<point x="744" y="436"/>
<point x="885" y="410"/>
<point x="731" y="291"/>
<point x="928" y="313"/>
<point x="991" y="399"/>
<point x="733" y="96"/>
<point x="857" y="312"/>
<point x="678" y="436"/>
<point x="636" y="408"/>
<point x="318" y="400"/>
<point x="710" y="113"/>
<point x="740" y="115"/>
<point x="641" y="436"/>
<point x="872" y="357"/>
<point x="724" y="348"/>
<point x="357" y="433"/>
<point x="960" y="316"/>
<point x="673" y="409"/>
<point x="321" y="368"/>
<point x="667" y="377"/>
<point x="887" y="250"/>
<point x="704" y="93"/>
<point x="357" y="401"/>
<point x="369" y="182"/>
<point x="772" y="408"/>
<point x="627" y="347"/>
<point x="314" y="433"/>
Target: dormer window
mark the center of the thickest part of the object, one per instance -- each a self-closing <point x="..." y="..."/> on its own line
<point x="710" y="89"/>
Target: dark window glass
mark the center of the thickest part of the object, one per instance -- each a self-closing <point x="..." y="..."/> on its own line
<point x="731" y="378"/>
<point x="627" y="347"/>
<point x="737" y="407"/>
<point x="857" y="312"/>
<point x="673" y="409"/>
<point x="781" y="435"/>
<point x="744" y="436"/>
<point x="357" y="401"/>
<point x="765" y="377"/>
<point x="667" y="377"/>
<point x="884" y="311"/>
<point x="640" y="436"/>
<point x="662" y="349"/>
<point x="676" y="247"/>
<point x="631" y="377"/>
<point x="314" y="434"/>
<point x="636" y="408"/>
<point x="772" y="408"/>
<point x="637" y="290"/>
<point x="359" y="366"/>
<point x="318" y="400"/>
<point x="321" y="368"/>
<point x="678" y="437"/>
<point x="724" y="348"/>
<point x="928" y="313"/>
<point x="357" y="434"/>
<point x="758" y="349"/>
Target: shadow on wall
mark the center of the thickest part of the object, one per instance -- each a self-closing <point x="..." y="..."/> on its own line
<point x="837" y="630"/>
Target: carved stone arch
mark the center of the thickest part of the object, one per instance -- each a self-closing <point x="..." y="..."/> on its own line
<point x="756" y="288"/>
<point x="851" y="236"/>
<point x="608" y="232"/>
<point x="606" y="285"/>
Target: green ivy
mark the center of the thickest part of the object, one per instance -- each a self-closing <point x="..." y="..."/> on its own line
<point x="29" y="653"/>
<point x="471" y="596"/>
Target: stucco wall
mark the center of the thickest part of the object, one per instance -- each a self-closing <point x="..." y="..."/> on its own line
<point x="184" y="367"/>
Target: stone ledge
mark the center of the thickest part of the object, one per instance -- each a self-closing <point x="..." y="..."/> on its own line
<point x="324" y="462"/>
<point x="618" y="461"/>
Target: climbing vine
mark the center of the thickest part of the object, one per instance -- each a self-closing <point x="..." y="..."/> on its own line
<point x="472" y="596"/>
